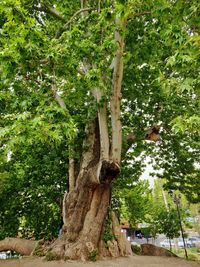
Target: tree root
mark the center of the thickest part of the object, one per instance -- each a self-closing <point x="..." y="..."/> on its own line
<point x="21" y="246"/>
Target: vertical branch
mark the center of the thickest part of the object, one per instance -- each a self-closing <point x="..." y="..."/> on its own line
<point x="103" y="125"/>
<point x="99" y="6"/>
<point x="165" y="199"/>
<point x="82" y="4"/>
<point x="71" y="171"/>
<point x="116" y="97"/>
<point x="54" y="89"/>
<point x="91" y="146"/>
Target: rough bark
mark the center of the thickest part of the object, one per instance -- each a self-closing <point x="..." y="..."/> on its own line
<point x="103" y="124"/>
<point x="72" y="178"/>
<point x="116" y="97"/>
<point x="86" y="207"/>
<point x="21" y="246"/>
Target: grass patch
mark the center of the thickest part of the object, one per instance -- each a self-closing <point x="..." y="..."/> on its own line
<point x="136" y="249"/>
<point x="192" y="253"/>
<point x="93" y="255"/>
<point x="51" y="256"/>
<point x="39" y="250"/>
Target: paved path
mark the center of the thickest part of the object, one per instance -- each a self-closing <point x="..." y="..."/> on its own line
<point x="133" y="261"/>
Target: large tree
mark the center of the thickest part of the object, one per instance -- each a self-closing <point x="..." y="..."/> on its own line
<point x="74" y="73"/>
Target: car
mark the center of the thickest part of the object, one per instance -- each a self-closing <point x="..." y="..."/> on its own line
<point x="194" y="240"/>
<point x="188" y="243"/>
<point x="166" y="244"/>
<point x="3" y="255"/>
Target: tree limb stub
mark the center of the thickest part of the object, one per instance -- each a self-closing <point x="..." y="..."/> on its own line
<point x="153" y="134"/>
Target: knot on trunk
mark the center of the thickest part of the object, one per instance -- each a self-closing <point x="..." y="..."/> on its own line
<point x="109" y="171"/>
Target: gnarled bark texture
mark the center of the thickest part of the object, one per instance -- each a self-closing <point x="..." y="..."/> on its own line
<point x="85" y="208"/>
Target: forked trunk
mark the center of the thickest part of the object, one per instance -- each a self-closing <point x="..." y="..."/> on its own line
<point x="90" y="228"/>
<point x="86" y="214"/>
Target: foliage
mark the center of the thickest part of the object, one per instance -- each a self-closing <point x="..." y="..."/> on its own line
<point x="107" y="232"/>
<point x="135" y="202"/>
<point x="39" y="250"/>
<point x="31" y="194"/>
<point x="42" y="58"/>
<point x="51" y="256"/>
<point x="192" y="254"/>
<point x="168" y="222"/>
<point x="136" y="249"/>
<point x="93" y="255"/>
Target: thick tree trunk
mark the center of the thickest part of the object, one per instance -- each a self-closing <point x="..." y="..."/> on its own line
<point x="86" y="210"/>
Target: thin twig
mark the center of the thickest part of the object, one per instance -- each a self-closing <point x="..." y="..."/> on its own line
<point x="76" y="14"/>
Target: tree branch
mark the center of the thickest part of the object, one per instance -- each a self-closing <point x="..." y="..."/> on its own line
<point x="51" y="11"/>
<point x="130" y="139"/>
<point x="76" y="14"/>
<point x="72" y="179"/>
<point x="115" y="101"/>
<point x="138" y="14"/>
<point x="58" y="98"/>
<point x="103" y="124"/>
<point x="151" y="134"/>
<point x="142" y="13"/>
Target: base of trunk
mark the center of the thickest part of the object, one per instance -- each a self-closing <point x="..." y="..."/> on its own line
<point x="116" y="245"/>
<point x="82" y="249"/>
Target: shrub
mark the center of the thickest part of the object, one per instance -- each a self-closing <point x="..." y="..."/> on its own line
<point x="51" y="256"/>
<point x="93" y="255"/>
<point x="136" y="249"/>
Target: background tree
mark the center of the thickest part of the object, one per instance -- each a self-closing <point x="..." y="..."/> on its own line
<point x="135" y="203"/>
<point x="168" y="223"/>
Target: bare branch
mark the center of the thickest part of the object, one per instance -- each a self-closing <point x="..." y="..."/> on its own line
<point x="150" y="134"/>
<point x="103" y="124"/>
<point x="142" y="13"/>
<point x="138" y="15"/>
<point x="116" y="97"/>
<point x="76" y="14"/>
<point x="130" y="139"/>
<point x="51" y="11"/>
<point x="58" y="97"/>
<point x="153" y="133"/>
<point x="22" y="246"/>
<point x="71" y="174"/>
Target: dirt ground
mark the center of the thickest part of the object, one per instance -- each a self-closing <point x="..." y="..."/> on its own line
<point x="133" y="261"/>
